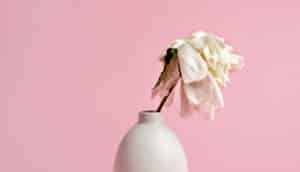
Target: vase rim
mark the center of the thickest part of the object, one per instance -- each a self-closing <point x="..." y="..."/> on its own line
<point x="149" y="116"/>
<point x="149" y="112"/>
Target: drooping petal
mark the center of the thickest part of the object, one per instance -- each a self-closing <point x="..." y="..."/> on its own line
<point x="192" y="66"/>
<point x="186" y="108"/>
<point x="217" y="97"/>
<point x="205" y="95"/>
<point x="167" y="79"/>
<point x="198" y="92"/>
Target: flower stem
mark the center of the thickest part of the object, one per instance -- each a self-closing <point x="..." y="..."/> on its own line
<point x="164" y="100"/>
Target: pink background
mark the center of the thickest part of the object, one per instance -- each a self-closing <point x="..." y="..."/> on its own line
<point x="74" y="74"/>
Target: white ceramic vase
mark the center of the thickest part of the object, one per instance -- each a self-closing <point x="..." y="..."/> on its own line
<point x="150" y="146"/>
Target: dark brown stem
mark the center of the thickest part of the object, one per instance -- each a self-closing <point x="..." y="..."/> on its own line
<point x="163" y="101"/>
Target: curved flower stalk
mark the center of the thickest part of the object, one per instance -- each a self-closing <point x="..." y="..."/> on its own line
<point x="202" y="64"/>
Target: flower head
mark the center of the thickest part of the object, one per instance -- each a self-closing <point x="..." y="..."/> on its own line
<point x="202" y="63"/>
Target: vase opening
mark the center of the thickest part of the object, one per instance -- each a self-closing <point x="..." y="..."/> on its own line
<point x="149" y="116"/>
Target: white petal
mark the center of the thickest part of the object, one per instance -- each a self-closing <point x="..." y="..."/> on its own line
<point x="198" y="92"/>
<point x="192" y="66"/>
<point x="177" y="43"/>
<point x="197" y="43"/>
<point x="217" y="96"/>
<point x="186" y="107"/>
<point x="199" y="34"/>
<point x="204" y="94"/>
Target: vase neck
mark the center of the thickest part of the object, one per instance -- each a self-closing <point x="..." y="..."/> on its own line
<point x="150" y="117"/>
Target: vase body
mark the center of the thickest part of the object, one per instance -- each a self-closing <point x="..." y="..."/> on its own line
<point x="150" y="146"/>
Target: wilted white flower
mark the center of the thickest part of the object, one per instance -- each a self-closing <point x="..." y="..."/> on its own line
<point x="202" y="64"/>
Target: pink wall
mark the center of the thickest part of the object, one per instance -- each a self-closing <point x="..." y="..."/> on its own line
<point x="74" y="75"/>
